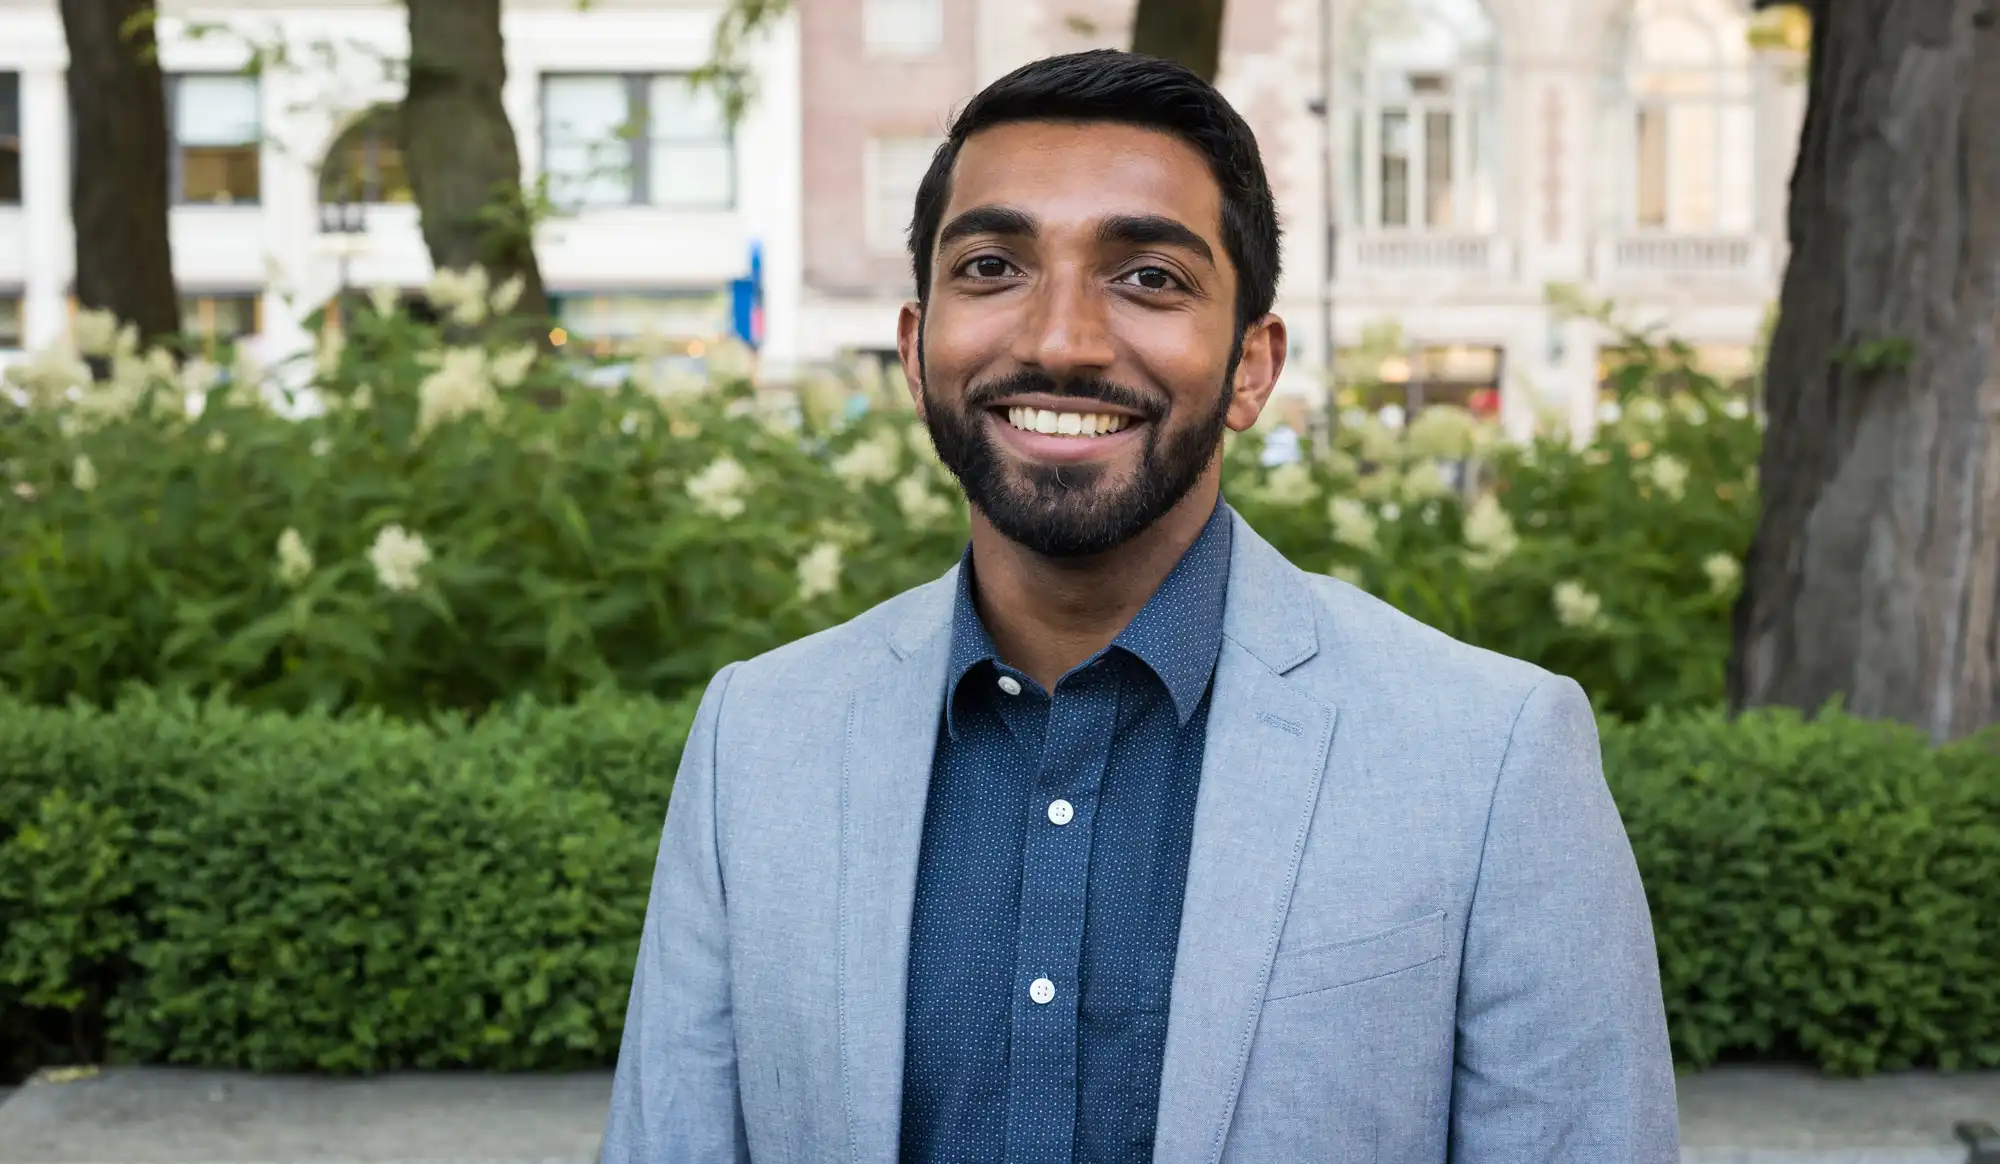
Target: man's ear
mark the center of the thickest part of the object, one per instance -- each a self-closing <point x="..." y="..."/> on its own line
<point x="909" y="350"/>
<point x="1257" y="371"/>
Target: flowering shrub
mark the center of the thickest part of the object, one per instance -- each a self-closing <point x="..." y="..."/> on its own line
<point x="442" y="523"/>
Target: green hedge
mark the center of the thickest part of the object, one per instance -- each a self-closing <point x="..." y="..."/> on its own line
<point x="194" y="883"/>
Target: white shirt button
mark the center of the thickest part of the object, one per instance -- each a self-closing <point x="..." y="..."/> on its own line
<point x="1010" y="685"/>
<point x="1042" y="991"/>
<point x="1061" y="812"/>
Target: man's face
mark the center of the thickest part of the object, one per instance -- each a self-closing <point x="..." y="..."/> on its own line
<point x="1079" y="359"/>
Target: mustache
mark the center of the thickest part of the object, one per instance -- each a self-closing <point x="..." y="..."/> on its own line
<point x="1028" y="380"/>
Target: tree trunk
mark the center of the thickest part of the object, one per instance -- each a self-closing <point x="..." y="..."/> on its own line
<point x="1186" y="31"/>
<point x="1875" y="572"/>
<point x="459" y="148"/>
<point x="118" y="191"/>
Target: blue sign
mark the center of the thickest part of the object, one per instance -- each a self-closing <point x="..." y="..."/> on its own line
<point x="746" y="301"/>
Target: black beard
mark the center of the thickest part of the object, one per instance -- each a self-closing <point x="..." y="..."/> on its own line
<point x="1067" y="511"/>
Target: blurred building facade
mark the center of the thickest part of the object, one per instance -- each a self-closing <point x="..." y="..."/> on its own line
<point x="1478" y="153"/>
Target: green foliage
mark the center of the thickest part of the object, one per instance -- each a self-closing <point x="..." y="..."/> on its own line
<point x="1826" y="890"/>
<point x="194" y="883"/>
<point x="461" y="525"/>
<point x="188" y="882"/>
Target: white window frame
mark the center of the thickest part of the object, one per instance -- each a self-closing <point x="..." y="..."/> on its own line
<point x="889" y="198"/>
<point x="1725" y="92"/>
<point x="902" y="28"/>
<point x="176" y="143"/>
<point x="638" y="146"/>
<point x="1378" y="85"/>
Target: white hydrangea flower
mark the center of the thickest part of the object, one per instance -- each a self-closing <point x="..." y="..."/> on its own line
<point x="1391" y="511"/>
<point x="718" y="489"/>
<point x="1723" y="572"/>
<point x="871" y="462"/>
<point x="461" y="386"/>
<point x="1353" y="524"/>
<point x="1444" y="431"/>
<point x="819" y="571"/>
<point x="507" y="294"/>
<point x="460" y="294"/>
<point x="94" y="332"/>
<point x="919" y="503"/>
<point x="51" y="375"/>
<point x="1424" y="479"/>
<point x="1577" y="607"/>
<point x="1489" y="532"/>
<point x="399" y="558"/>
<point x="295" y="561"/>
<point x="83" y="474"/>
<point x="1669" y="475"/>
<point x="729" y="359"/>
<point x="1649" y="411"/>
<point x="1290" y="484"/>
<point x="1392" y="417"/>
<point x="1609" y="412"/>
<point x="509" y="368"/>
<point x="384" y="300"/>
<point x="1736" y="409"/>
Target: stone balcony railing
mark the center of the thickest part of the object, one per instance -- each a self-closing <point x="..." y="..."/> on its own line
<point x="1662" y="257"/>
<point x="1397" y="258"/>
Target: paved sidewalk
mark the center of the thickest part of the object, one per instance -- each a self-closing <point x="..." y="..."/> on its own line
<point x="177" y="1116"/>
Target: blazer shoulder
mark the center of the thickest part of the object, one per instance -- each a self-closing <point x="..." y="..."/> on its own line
<point x="1364" y="639"/>
<point x="835" y="660"/>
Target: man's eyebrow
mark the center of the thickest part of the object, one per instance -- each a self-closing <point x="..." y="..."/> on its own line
<point x="1153" y="230"/>
<point x="1000" y="220"/>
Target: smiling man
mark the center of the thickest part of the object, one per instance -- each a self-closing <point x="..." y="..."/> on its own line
<point x="1126" y="840"/>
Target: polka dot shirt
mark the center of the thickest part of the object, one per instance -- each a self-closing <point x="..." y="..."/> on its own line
<point x="1049" y="886"/>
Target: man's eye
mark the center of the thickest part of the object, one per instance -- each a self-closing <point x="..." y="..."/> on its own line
<point x="1151" y="279"/>
<point x="988" y="267"/>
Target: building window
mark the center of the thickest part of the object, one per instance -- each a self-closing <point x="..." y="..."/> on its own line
<point x="636" y="140"/>
<point x="10" y="139"/>
<point x="13" y="327"/>
<point x="1679" y="121"/>
<point x="902" y="28"/>
<point x="217" y="137"/>
<point x="218" y="318"/>
<point x="895" y="168"/>
<point x="366" y="162"/>
<point x="1422" y="149"/>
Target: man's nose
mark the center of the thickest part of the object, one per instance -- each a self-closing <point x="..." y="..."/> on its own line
<point x="1068" y="333"/>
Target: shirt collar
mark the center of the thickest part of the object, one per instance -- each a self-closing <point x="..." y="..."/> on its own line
<point x="1178" y="633"/>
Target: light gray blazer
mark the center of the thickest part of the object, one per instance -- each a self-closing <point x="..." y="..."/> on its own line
<point x="1413" y="929"/>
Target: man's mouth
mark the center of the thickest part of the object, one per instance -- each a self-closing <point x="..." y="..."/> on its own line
<point x="1063" y="423"/>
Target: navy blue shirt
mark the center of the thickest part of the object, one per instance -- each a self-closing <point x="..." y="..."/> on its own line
<point x="1049" y="886"/>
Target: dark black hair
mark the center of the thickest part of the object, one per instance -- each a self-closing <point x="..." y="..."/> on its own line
<point x="1127" y="88"/>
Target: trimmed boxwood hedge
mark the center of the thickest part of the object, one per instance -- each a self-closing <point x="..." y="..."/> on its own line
<point x="186" y="882"/>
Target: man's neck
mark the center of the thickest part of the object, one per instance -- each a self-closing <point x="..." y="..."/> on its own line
<point x="1046" y="615"/>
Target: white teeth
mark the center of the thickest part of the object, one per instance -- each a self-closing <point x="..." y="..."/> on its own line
<point x="1043" y="420"/>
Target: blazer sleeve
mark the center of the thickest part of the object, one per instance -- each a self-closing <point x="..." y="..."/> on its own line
<point x="1561" y="1053"/>
<point x="674" y="1098"/>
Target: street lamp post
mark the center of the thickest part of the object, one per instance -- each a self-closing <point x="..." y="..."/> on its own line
<point x="1322" y="108"/>
<point x="343" y="226"/>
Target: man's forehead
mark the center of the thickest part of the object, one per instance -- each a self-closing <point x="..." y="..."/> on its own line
<point x="1084" y="171"/>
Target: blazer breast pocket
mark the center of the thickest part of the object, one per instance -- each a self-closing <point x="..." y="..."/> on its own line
<point x="1344" y="963"/>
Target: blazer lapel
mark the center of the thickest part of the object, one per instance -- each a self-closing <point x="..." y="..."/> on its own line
<point x="1266" y="753"/>
<point x="892" y="726"/>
